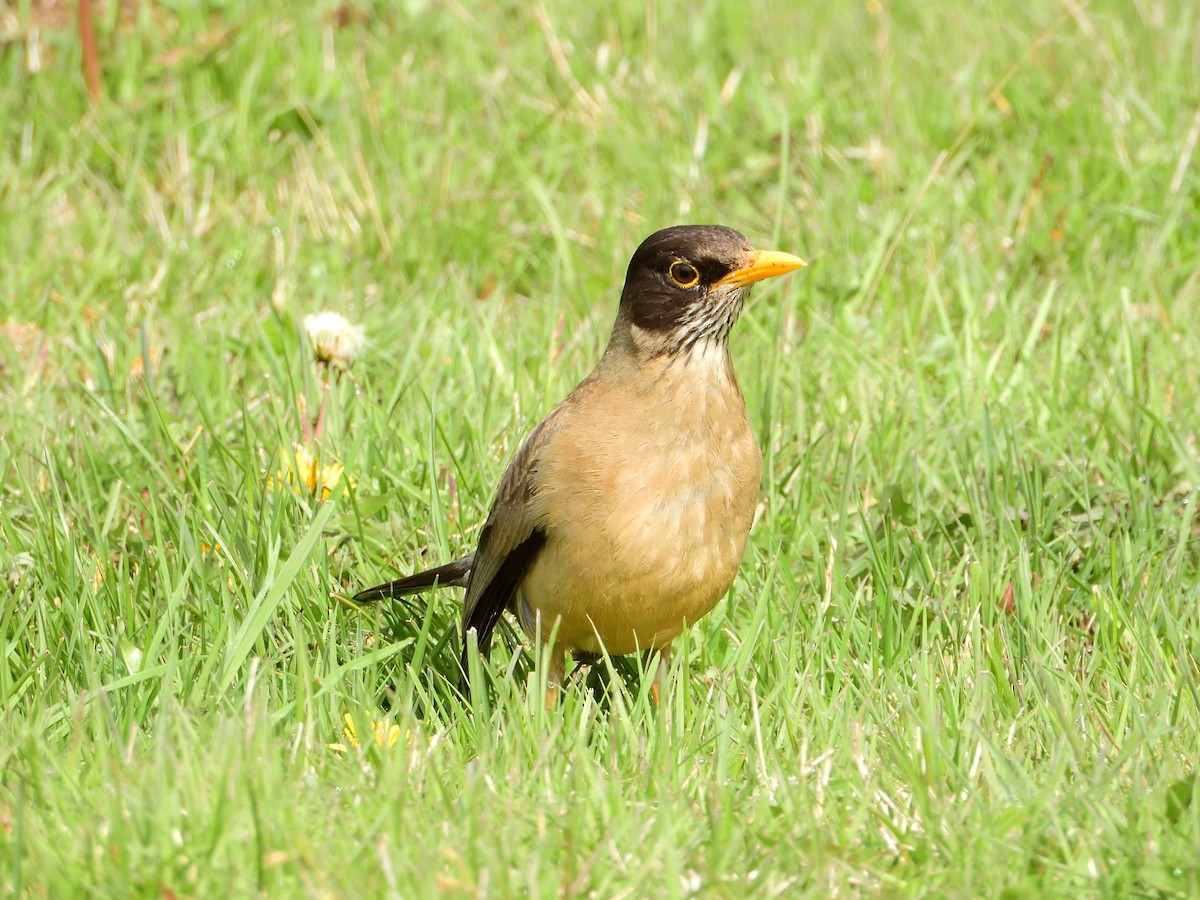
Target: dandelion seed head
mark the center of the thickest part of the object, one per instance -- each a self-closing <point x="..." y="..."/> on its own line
<point x="336" y="341"/>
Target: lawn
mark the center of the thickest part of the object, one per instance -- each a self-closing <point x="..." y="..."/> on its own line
<point x="960" y="657"/>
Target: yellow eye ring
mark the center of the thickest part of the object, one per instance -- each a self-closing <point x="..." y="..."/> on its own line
<point x="684" y="274"/>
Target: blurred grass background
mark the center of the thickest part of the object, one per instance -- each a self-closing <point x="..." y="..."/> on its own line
<point x="960" y="657"/>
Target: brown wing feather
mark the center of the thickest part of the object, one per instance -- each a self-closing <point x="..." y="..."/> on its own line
<point x="510" y="540"/>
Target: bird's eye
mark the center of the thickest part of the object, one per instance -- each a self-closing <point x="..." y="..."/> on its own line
<point x="684" y="274"/>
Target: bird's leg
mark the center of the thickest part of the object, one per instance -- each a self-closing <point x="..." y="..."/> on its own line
<point x="662" y="661"/>
<point x="555" y="676"/>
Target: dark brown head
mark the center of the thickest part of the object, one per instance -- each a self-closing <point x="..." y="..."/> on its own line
<point x="686" y="284"/>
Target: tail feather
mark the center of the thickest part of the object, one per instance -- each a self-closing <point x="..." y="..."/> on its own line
<point x="452" y="574"/>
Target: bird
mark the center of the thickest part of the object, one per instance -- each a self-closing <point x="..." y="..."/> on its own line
<point x="623" y="516"/>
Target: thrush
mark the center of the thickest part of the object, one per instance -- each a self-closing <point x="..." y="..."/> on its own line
<point x="623" y="517"/>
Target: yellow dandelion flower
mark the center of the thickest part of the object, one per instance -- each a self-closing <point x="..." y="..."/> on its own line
<point x="384" y="734"/>
<point x="303" y="471"/>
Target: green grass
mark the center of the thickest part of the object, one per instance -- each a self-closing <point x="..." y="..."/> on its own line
<point x="961" y="654"/>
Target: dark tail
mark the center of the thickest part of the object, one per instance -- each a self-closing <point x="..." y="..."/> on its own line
<point x="452" y="574"/>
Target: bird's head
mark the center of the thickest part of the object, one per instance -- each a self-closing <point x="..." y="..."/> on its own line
<point x="686" y="285"/>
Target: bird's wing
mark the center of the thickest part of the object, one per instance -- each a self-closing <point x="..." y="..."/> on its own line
<point x="510" y="541"/>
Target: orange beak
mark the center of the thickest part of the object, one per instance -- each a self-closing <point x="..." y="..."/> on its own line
<point x="763" y="264"/>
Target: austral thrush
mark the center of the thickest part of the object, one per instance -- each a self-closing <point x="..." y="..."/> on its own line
<point x="624" y="515"/>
